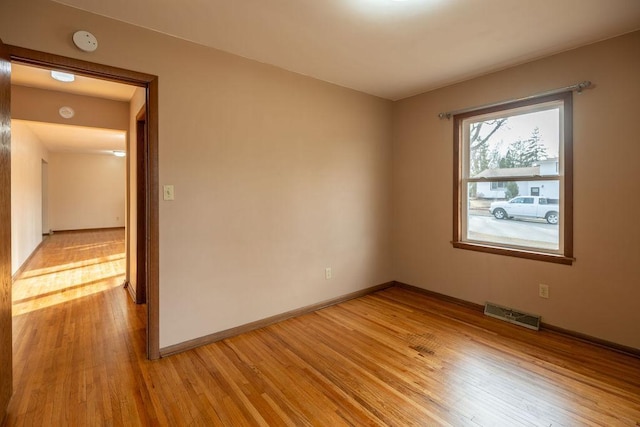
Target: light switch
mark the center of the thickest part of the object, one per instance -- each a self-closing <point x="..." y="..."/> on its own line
<point x="168" y="192"/>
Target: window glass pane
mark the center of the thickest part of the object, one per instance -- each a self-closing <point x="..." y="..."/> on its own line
<point x="513" y="216"/>
<point x="522" y="144"/>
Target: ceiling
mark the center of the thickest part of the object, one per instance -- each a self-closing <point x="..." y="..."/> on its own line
<point x="23" y="75"/>
<point x="72" y="138"/>
<point x="389" y="48"/>
<point x="77" y="139"/>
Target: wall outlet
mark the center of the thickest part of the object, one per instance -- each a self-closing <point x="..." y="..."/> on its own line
<point x="327" y="273"/>
<point x="543" y="290"/>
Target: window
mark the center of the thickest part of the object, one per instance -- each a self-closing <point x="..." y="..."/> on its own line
<point x="513" y="172"/>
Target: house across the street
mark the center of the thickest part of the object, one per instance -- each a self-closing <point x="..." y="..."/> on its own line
<point x="496" y="189"/>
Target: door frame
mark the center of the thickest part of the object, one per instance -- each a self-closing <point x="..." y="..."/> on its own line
<point x="150" y="190"/>
<point x="6" y="320"/>
<point x="142" y="150"/>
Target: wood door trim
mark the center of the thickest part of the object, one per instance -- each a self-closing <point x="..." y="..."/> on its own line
<point x="142" y="149"/>
<point x="89" y="69"/>
<point x="6" y="354"/>
<point x="150" y="82"/>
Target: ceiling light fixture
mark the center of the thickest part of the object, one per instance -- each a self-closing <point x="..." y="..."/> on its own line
<point x="62" y="77"/>
<point x="119" y="153"/>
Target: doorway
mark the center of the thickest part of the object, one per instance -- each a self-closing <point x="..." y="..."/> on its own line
<point x="147" y="189"/>
<point x="45" y="198"/>
<point x="141" y="204"/>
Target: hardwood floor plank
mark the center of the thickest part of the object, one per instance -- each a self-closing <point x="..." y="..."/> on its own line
<point x="395" y="357"/>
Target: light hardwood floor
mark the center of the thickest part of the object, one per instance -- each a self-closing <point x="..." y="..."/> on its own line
<point x="391" y="358"/>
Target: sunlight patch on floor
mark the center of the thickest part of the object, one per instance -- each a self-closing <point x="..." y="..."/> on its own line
<point x="66" y="285"/>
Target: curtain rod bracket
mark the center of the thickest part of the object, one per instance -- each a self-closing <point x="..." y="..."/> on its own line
<point x="578" y="87"/>
<point x="582" y="85"/>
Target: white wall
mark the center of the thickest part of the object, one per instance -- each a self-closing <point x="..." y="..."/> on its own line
<point x="27" y="153"/>
<point x="86" y="191"/>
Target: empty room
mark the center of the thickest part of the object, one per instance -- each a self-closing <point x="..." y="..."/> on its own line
<point x="345" y="212"/>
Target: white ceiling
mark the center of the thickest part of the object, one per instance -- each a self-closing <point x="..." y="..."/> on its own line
<point x="77" y="139"/>
<point x="23" y="75"/>
<point x="72" y="138"/>
<point x="392" y="49"/>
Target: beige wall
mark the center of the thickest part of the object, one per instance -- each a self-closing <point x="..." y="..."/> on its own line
<point x="40" y="105"/>
<point x="27" y="154"/>
<point x="599" y="294"/>
<point x="86" y="191"/>
<point x="137" y="102"/>
<point x="277" y="175"/>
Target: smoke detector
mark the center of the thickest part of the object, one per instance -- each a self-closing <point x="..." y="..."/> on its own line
<point x="85" y="41"/>
<point x="66" y="112"/>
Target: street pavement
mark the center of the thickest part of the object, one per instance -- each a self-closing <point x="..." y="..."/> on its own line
<point x="520" y="232"/>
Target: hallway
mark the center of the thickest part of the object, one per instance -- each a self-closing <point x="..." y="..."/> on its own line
<point x="74" y="330"/>
<point x="69" y="266"/>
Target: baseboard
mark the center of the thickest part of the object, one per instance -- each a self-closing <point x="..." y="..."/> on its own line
<point x="258" y="324"/>
<point x="87" y="230"/>
<point x="441" y="297"/>
<point x="131" y="290"/>
<point x="20" y="270"/>
<point x="218" y="336"/>
<point x="630" y="351"/>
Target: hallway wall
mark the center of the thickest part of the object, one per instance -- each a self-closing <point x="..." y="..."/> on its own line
<point x="86" y="191"/>
<point x="27" y="153"/>
<point x="41" y="105"/>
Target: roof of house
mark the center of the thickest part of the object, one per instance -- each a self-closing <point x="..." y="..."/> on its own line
<point x="502" y="172"/>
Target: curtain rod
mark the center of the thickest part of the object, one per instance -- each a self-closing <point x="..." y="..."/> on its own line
<point x="578" y="87"/>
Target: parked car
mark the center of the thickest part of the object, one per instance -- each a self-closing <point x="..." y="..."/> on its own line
<point x="528" y="207"/>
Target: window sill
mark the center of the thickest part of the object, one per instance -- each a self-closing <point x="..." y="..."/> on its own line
<point x="518" y="253"/>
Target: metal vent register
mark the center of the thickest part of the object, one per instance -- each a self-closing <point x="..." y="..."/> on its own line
<point x="530" y="321"/>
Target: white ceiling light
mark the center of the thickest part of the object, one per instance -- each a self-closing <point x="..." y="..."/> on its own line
<point x="66" y="112"/>
<point x="119" y="153"/>
<point x="62" y="77"/>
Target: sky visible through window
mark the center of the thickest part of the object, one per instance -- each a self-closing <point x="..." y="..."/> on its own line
<point x="521" y="127"/>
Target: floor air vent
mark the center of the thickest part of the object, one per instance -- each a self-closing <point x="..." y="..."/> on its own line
<point x="523" y="319"/>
